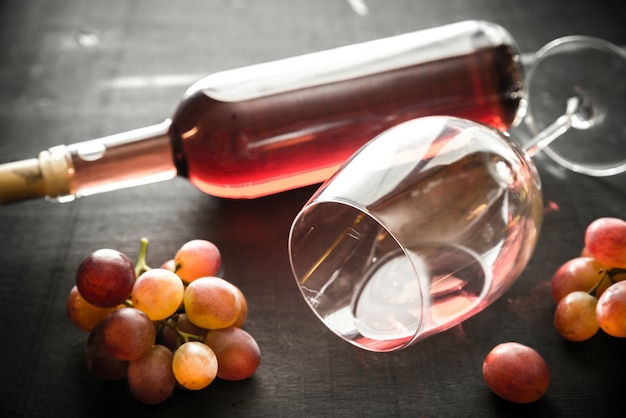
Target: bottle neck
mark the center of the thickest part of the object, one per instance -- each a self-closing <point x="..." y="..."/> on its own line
<point x="62" y="173"/>
<point x="128" y="159"/>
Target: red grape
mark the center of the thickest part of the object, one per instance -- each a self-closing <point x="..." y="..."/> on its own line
<point x="105" y="278"/>
<point x="128" y="333"/>
<point x="99" y="362"/>
<point x="605" y="239"/>
<point x="238" y="354"/>
<point x="150" y="378"/>
<point x="516" y="372"/>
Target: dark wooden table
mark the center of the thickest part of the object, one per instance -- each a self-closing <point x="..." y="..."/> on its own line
<point x="69" y="71"/>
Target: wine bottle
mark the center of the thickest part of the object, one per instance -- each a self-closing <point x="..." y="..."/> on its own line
<point x="275" y="126"/>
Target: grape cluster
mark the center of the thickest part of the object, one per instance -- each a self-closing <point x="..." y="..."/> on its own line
<point x="590" y="290"/>
<point x="179" y="325"/>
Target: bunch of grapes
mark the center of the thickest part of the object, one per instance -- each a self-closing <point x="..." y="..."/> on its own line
<point x="590" y="290"/>
<point x="178" y="325"/>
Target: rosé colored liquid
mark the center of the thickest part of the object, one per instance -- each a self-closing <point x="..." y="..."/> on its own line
<point x="267" y="144"/>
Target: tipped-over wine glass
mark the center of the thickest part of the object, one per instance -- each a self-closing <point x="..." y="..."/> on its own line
<point x="434" y="219"/>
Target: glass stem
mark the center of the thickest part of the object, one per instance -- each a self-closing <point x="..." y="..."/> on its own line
<point x="556" y="129"/>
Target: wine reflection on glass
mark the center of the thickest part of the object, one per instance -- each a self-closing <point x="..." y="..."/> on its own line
<point x="434" y="219"/>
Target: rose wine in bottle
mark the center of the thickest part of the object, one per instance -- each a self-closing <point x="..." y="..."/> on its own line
<point x="285" y="124"/>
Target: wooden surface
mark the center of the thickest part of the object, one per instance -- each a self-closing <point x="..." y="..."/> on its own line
<point x="72" y="70"/>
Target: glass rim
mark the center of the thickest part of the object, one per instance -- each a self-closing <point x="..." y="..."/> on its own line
<point x="384" y="345"/>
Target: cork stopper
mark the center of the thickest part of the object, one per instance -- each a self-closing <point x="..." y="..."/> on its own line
<point x="49" y="175"/>
<point x="21" y="180"/>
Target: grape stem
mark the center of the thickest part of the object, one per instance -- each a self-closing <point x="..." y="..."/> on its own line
<point x="176" y="268"/>
<point x="607" y="274"/>
<point x="141" y="266"/>
<point x="172" y="322"/>
<point x="183" y="336"/>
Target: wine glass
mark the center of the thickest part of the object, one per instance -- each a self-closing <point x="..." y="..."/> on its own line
<point x="434" y="219"/>
<point x="594" y="72"/>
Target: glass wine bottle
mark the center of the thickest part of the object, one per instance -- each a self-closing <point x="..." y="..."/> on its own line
<point x="285" y="124"/>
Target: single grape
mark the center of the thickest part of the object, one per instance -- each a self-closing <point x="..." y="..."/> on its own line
<point x="128" y="333"/>
<point x="212" y="303"/>
<point x="105" y="278"/>
<point x="611" y="310"/>
<point x="575" y="316"/>
<point x="169" y="265"/>
<point x="197" y="258"/>
<point x="170" y="336"/>
<point x="585" y="252"/>
<point x="516" y="372"/>
<point x="83" y="314"/>
<point x="605" y="239"/>
<point x="150" y="377"/>
<point x="194" y="365"/>
<point x="99" y="362"/>
<point x="158" y="293"/>
<point x="580" y="273"/>
<point x="243" y="310"/>
<point x="238" y="354"/>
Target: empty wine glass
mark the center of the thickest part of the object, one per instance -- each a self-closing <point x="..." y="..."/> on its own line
<point x="593" y="70"/>
<point x="434" y="219"/>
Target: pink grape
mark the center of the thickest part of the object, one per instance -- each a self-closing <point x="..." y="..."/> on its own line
<point x="580" y="273"/>
<point x="611" y="310"/>
<point x="194" y="365"/>
<point x="158" y="293"/>
<point x="197" y="258"/>
<point x="516" y="372"/>
<point x="605" y="239"/>
<point x="212" y="303"/>
<point x="169" y="265"/>
<point x="243" y="310"/>
<point x="575" y="316"/>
